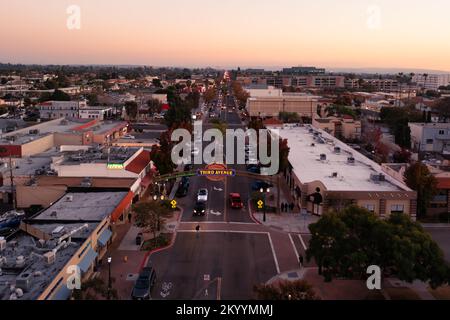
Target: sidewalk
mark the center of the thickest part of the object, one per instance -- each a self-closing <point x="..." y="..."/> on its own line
<point x="287" y="222"/>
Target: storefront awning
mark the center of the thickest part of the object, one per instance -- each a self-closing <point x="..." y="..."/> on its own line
<point x="87" y="260"/>
<point x="62" y="293"/>
<point x="104" y="237"/>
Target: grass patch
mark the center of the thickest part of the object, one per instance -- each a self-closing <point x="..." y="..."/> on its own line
<point x="160" y="241"/>
<point x="441" y="293"/>
<point x="402" y="294"/>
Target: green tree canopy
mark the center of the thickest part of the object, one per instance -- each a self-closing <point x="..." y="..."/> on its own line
<point x="345" y="243"/>
<point x="420" y="179"/>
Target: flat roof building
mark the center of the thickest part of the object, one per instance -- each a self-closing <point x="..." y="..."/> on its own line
<point x="74" y="232"/>
<point x="322" y="167"/>
<point x="304" y="105"/>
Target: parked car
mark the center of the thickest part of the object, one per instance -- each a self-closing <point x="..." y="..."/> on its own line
<point x="202" y="195"/>
<point x="128" y="136"/>
<point x="257" y="185"/>
<point x="200" y="208"/>
<point x="144" y="284"/>
<point x="139" y="238"/>
<point x="236" y="201"/>
<point x="252" y="168"/>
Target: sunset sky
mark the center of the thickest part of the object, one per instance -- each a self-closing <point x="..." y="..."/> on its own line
<point x="328" y="33"/>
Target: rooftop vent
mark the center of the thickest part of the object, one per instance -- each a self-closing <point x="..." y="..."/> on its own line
<point x="54" y="214"/>
<point x="69" y="198"/>
<point x="334" y="175"/>
<point x="24" y="281"/>
<point x="351" y="160"/>
<point x="50" y="257"/>
<point x="313" y="144"/>
<point x="33" y="131"/>
<point x="337" y="150"/>
<point x="323" y="157"/>
<point x="20" y="261"/>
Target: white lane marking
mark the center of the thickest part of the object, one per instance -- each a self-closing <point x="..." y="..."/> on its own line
<point x="301" y="240"/>
<point x="218" y="189"/>
<point x="223" y="231"/>
<point x="215" y="213"/>
<point x="274" y="254"/>
<point x="293" y="246"/>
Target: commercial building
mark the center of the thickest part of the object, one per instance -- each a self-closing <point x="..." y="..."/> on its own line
<point x="342" y="128"/>
<point x="430" y="137"/>
<point x="431" y="81"/>
<point x="59" y="109"/>
<point x="74" y="233"/>
<point x="326" y="174"/>
<point x="304" y="105"/>
<point x="55" y="133"/>
<point x="263" y="91"/>
<point x="303" y="70"/>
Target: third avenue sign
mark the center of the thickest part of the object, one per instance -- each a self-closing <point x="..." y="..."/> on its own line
<point x="216" y="172"/>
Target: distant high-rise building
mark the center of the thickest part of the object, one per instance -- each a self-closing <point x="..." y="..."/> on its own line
<point x="432" y="81"/>
<point x="303" y="70"/>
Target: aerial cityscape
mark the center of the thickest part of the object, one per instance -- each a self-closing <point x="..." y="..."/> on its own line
<point x="243" y="151"/>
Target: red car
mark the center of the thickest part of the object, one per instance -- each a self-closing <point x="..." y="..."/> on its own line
<point x="235" y="201"/>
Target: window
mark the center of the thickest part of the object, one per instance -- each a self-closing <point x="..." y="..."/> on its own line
<point x="441" y="132"/>
<point x="397" y="208"/>
<point x="370" y="207"/>
<point x="429" y="141"/>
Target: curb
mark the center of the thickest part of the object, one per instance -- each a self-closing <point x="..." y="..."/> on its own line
<point x="172" y="242"/>
<point x="252" y="215"/>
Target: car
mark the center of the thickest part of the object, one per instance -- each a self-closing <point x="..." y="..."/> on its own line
<point x="158" y="116"/>
<point x="252" y="168"/>
<point x="128" y="136"/>
<point x="235" y="201"/>
<point x="144" y="284"/>
<point x="139" y="238"/>
<point x="257" y="185"/>
<point x="199" y="208"/>
<point x="202" y="195"/>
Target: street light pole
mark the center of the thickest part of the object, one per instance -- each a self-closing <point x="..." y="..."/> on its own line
<point x="109" y="277"/>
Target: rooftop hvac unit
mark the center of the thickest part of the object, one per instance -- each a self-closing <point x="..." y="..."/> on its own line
<point x="58" y="230"/>
<point x="323" y="157"/>
<point x="20" y="261"/>
<point x="351" y="160"/>
<point x="33" y="131"/>
<point x="69" y="198"/>
<point x="334" y="175"/>
<point x="24" y="281"/>
<point x="337" y="150"/>
<point x="378" y="177"/>
<point x="50" y="257"/>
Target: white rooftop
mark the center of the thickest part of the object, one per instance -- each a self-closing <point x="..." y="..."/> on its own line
<point x="92" y="206"/>
<point x="308" y="167"/>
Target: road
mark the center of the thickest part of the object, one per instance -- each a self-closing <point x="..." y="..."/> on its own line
<point x="230" y="253"/>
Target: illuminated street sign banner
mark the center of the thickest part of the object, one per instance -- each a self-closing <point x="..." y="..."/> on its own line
<point x="216" y="172"/>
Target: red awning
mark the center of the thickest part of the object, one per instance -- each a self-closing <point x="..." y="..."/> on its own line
<point x="115" y="215"/>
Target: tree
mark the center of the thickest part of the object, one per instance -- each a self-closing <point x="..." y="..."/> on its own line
<point x="402" y="156"/>
<point x="345" y="243"/>
<point x="154" y="106"/>
<point x="59" y="95"/>
<point x="157" y="83"/>
<point x="94" y="288"/>
<point x="289" y="117"/>
<point x="285" y="290"/>
<point x="131" y="107"/>
<point x="442" y="107"/>
<point x="284" y="155"/>
<point x="420" y="179"/>
<point x="209" y="95"/>
<point x="150" y="215"/>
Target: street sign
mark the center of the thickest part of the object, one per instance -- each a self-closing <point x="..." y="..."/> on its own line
<point x="174" y="204"/>
<point x="260" y="204"/>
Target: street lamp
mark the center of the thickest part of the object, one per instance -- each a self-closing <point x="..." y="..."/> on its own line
<point x="109" y="277"/>
<point x="264" y="191"/>
<point x="155" y="197"/>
